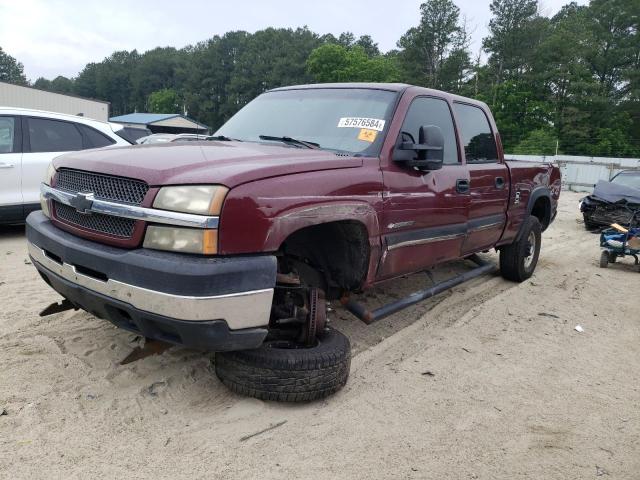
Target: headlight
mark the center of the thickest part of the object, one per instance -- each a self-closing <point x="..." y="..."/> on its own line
<point x="185" y="240"/>
<point x="198" y="199"/>
<point x="194" y="199"/>
<point x="48" y="178"/>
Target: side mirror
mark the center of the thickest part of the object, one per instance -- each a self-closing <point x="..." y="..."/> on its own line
<point x="427" y="154"/>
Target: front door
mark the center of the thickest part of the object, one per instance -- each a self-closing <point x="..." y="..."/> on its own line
<point x="489" y="179"/>
<point x="424" y="212"/>
<point x="10" y="169"/>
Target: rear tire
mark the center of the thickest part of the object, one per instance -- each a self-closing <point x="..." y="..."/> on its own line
<point x="604" y="259"/>
<point x="282" y="371"/>
<point x="518" y="260"/>
<point x="588" y="224"/>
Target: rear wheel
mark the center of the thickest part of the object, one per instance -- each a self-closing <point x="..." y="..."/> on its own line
<point x="286" y="371"/>
<point x="588" y="224"/>
<point x="604" y="259"/>
<point x="518" y="260"/>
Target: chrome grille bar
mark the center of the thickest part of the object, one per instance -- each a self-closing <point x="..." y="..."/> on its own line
<point x="134" y="212"/>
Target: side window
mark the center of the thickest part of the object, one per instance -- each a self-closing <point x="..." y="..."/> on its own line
<point x="94" y="138"/>
<point x="53" y="136"/>
<point x="7" y="134"/>
<point x="432" y="111"/>
<point x="479" y="142"/>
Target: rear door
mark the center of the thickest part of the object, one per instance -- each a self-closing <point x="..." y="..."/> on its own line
<point x="489" y="178"/>
<point x="10" y="169"/>
<point x="44" y="139"/>
<point x="424" y="212"/>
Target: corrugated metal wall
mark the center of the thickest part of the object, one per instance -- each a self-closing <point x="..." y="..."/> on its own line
<point x="16" y="96"/>
<point x="581" y="173"/>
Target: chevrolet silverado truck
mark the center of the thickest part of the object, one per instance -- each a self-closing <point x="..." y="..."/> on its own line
<point x="309" y="193"/>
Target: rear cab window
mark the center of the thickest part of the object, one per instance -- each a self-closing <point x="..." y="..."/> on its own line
<point x="475" y="132"/>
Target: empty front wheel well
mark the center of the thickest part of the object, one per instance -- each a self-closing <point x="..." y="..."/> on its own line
<point x="333" y="256"/>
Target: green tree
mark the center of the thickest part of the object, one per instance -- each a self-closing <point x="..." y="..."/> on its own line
<point x="574" y="77"/>
<point x="154" y="70"/>
<point x="513" y="88"/>
<point x="368" y="45"/>
<point x="110" y="80"/>
<point x="60" y="84"/>
<point x="564" y="75"/>
<point x="537" y="142"/>
<point x="11" y="71"/>
<point x="514" y="32"/>
<point x="334" y="63"/>
<point x="85" y="82"/>
<point x="435" y="53"/>
<point x="164" y="101"/>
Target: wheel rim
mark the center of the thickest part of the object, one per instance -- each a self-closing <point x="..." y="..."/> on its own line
<point x="530" y="250"/>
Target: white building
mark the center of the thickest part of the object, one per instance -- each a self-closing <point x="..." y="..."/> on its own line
<point x="17" y="96"/>
<point x="161" y="122"/>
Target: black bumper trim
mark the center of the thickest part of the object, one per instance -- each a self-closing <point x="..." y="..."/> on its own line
<point x="213" y="335"/>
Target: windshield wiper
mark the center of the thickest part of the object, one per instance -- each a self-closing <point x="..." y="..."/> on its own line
<point x="222" y="138"/>
<point x="292" y="141"/>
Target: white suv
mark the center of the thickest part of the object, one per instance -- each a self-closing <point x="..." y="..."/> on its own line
<point x="29" y="140"/>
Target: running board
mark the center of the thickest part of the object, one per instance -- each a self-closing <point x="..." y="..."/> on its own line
<point x="372" y="316"/>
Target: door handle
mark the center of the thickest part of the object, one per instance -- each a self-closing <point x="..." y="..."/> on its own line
<point x="500" y="183"/>
<point x="6" y="165"/>
<point x="462" y="185"/>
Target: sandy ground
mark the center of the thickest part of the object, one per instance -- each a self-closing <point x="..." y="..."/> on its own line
<point x="487" y="381"/>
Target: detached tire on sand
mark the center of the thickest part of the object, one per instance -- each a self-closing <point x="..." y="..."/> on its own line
<point x="282" y="371"/>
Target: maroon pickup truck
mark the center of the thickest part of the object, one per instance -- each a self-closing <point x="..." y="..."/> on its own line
<point x="307" y="194"/>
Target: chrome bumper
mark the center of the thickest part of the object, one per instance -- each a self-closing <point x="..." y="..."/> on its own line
<point x="240" y="310"/>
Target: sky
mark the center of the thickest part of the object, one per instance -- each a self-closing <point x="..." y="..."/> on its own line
<point x="56" y="37"/>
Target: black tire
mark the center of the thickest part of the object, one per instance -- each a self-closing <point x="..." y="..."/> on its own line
<point x="518" y="260"/>
<point x="588" y="224"/>
<point x="287" y="374"/>
<point x="604" y="259"/>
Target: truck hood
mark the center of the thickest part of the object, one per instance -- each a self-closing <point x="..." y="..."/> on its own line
<point x="225" y="163"/>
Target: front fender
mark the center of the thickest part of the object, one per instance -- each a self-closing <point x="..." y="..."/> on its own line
<point x="259" y="216"/>
<point x="321" y="212"/>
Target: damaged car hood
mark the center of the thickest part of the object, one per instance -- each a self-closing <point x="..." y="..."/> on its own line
<point x="615" y="193"/>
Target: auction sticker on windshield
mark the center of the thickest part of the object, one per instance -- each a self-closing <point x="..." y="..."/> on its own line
<point x="367" y="135"/>
<point x="359" y="122"/>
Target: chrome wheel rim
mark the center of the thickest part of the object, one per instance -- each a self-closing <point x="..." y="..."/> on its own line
<point x="530" y="250"/>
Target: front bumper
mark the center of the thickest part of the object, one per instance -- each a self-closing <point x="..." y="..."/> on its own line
<point x="201" y="302"/>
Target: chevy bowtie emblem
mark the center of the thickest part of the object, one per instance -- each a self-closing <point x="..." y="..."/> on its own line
<point x="82" y="202"/>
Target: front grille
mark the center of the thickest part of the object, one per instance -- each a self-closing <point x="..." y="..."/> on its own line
<point x="116" y="226"/>
<point x="104" y="187"/>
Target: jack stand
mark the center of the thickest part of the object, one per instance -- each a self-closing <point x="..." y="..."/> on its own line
<point x="58" y="307"/>
<point x="151" y="347"/>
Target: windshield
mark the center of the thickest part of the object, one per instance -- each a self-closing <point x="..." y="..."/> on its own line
<point x="628" y="180"/>
<point x="345" y="120"/>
